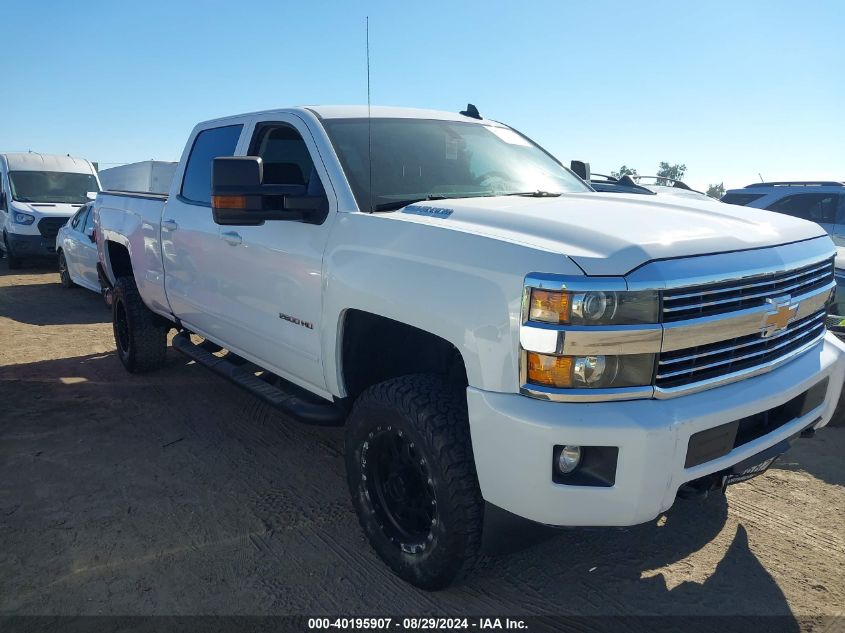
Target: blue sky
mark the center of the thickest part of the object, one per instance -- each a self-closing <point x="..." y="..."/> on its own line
<point x="731" y="89"/>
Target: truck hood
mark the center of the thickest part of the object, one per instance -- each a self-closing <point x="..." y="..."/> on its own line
<point x="612" y="234"/>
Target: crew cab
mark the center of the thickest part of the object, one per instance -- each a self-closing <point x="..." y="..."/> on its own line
<point x="38" y="194"/>
<point x="496" y="336"/>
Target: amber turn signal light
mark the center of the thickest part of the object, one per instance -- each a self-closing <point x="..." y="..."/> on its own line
<point x="228" y="202"/>
<point x="549" y="306"/>
<point x="550" y="371"/>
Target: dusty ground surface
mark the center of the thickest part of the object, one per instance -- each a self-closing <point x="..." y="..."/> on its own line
<point x="176" y="493"/>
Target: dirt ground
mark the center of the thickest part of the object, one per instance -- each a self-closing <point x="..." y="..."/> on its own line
<point x="177" y="493"/>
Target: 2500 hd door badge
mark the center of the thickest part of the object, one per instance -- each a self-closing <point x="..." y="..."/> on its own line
<point x="295" y="321"/>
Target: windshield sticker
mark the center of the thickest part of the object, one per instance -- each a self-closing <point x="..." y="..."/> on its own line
<point x="451" y="149"/>
<point x="432" y="212"/>
<point x="509" y="136"/>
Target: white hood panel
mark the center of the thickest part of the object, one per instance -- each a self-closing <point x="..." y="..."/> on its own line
<point x="612" y="234"/>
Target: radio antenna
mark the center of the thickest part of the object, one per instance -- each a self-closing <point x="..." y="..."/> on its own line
<point x="369" y="124"/>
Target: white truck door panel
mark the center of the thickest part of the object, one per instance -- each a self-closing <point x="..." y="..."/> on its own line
<point x="270" y="276"/>
<point x="189" y="236"/>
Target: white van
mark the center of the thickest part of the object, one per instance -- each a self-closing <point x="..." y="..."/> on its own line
<point x="38" y="193"/>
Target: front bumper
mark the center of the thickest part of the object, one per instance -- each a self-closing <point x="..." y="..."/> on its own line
<point x="513" y="439"/>
<point x="31" y="245"/>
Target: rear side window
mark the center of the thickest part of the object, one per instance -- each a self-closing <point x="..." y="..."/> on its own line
<point x="741" y="198"/>
<point x="78" y="219"/>
<point x="209" y="144"/>
<point x="816" y="207"/>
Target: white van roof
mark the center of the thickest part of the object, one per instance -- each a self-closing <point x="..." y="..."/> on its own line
<point x="33" y="161"/>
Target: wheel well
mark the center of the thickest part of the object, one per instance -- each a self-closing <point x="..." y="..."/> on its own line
<point x="121" y="264"/>
<point x="375" y="349"/>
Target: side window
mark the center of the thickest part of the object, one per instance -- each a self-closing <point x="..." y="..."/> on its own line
<point x="741" y="198"/>
<point x="816" y="207"/>
<point x="840" y="214"/>
<point x="286" y="158"/>
<point x="78" y="219"/>
<point x="208" y="145"/>
<point x="89" y="220"/>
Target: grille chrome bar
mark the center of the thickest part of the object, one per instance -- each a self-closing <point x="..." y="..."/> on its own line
<point x="822" y="266"/>
<point x="724" y="297"/>
<point x="670" y="359"/>
<point x="816" y="325"/>
<point x="768" y="293"/>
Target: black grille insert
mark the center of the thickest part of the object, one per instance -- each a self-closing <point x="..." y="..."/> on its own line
<point x="49" y="227"/>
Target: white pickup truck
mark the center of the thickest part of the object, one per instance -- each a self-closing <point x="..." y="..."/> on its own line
<point x="494" y="334"/>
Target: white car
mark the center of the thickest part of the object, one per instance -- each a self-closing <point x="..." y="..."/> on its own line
<point x="76" y="248"/>
<point x="491" y="331"/>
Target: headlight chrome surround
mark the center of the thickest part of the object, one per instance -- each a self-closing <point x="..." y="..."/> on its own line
<point x="588" y="339"/>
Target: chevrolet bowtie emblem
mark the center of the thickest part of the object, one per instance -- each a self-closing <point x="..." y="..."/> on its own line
<point x="777" y="319"/>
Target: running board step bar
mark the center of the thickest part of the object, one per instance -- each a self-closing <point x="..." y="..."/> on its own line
<point x="286" y="401"/>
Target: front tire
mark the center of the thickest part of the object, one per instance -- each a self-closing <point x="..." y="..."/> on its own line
<point x="64" y="274"/>
<point x="412" y="477"/>
<point x="139" y="333"/>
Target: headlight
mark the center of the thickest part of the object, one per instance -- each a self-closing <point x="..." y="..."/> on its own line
<point x="23" y="218"/>
<point x="589" y="372"/>
<point x="597" y="307"/>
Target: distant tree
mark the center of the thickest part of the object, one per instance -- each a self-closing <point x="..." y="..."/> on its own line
<point x="716" y="191"/>
<point x="624" y="171"/>
<point x="673" y="172"/>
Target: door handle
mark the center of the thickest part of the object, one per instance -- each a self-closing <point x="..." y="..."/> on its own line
<point x="232" y="238"/>
<point x="169" y="225"/>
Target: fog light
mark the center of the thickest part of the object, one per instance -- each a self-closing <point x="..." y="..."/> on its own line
<point x="569" y="458"/>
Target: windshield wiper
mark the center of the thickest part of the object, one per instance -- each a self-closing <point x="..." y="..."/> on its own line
<point x="535" y="194"/>
<point x="398" y="204"/>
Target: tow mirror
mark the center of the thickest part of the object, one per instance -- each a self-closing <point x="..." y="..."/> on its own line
<point x="581" y="168"/>
<point x="239" y="196"/>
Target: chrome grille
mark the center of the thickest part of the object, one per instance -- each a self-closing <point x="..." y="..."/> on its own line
<point x="706" y="300"/>
<point x="696" y="364"/>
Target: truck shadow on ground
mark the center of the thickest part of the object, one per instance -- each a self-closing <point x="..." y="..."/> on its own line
<point x="26" y="303"/>
<point x="88" y="464"/>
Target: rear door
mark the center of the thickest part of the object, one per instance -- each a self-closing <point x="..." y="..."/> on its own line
<point x="271" y="275"/>
<point x="71" y="241"/>
<point x="189" y="236"/>
<point x="87" y="257"/>
<point x="816" y="207"/>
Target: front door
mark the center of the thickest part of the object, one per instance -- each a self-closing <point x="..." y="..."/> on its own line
<point x="189" y="236"/>
<point x="271" y="275"/>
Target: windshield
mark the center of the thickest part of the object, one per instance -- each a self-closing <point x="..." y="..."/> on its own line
<point x="423" y="158"/>
<point x="51" y="186"/>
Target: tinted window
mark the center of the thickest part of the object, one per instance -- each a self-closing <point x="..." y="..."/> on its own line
<point x="741" y="198"/>
<point x="89" y="220"/>
<point x="52" y="186"/>
<point x="817" y="207"/>
<point x="209" y="144"/>
<point x="285" y="155"/>
<point x="840" y="214"/>
<point x="78" y="219"/>
<point x="416" y="158"/>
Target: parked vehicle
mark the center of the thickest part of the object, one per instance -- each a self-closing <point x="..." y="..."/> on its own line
<point x="76" y="251"/>
<point x="492" y="333"/>
<point x="646" y="185"/>
<point x="38" y="193"/>
<point x="149" y="176"/>
<point x="820" y="201"/>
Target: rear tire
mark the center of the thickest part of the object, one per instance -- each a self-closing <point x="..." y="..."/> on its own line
<point x="12" y="262"/>
<point x="64" y="274"/>
<point x="412" y="477"/>
<point x="139" y="334"/>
